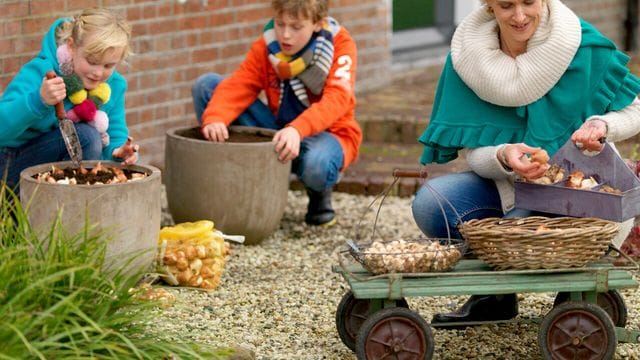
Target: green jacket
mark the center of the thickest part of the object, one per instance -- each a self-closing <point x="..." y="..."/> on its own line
<point x="596" y="82"/>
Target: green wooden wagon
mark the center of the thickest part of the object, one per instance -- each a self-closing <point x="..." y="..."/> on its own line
<point x="587" y="321"/>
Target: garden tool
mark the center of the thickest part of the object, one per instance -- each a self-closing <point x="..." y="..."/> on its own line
<point x="68" y="130"/>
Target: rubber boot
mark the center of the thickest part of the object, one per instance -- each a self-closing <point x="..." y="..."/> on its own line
<point x="319" y="210"/>
<point x="479" y="308"/>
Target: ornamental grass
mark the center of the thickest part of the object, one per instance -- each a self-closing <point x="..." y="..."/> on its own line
<point x="58" y="302"/>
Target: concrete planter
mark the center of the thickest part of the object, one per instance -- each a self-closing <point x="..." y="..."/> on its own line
<point x="127" y="213"/>
<point x="240" y="186"/>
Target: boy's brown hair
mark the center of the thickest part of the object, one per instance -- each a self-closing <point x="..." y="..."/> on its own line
<point x="315" y="10"/>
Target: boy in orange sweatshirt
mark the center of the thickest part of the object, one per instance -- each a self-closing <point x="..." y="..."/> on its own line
<point x="305" y="61"/>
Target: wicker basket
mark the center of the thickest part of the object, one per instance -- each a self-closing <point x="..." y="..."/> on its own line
<point x="538" y="242"/>
<point x="419" y="255"/>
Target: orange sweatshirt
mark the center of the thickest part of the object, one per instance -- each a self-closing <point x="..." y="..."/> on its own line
<point x="333" y="110"/>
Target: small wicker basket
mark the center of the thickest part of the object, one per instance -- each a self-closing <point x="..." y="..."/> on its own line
<point x="538" y="242"/>
<point x="420" y="255"/>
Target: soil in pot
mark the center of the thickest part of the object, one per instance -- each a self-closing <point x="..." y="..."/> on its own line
<point x="99" y="174"/>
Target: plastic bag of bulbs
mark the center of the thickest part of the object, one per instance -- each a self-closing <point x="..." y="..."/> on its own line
<point x="192" y="254"/>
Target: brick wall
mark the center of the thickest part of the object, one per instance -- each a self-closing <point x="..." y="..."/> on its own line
<point x="607" y="15"/>
<point x="174" y="43"/>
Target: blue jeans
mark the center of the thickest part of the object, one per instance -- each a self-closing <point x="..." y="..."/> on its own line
<point x="46" y="148"/>
<point x="321" y="157"/>
<point x="454" y="198"/>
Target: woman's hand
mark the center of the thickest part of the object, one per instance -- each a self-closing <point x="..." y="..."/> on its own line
<point x="216" y="132"/>
<point x="287" y="144"/>
<point x="590" y="136"/>
<point x="515" y="156"/>
<point x="128" y="152"/>
<point x="52" y="91"/>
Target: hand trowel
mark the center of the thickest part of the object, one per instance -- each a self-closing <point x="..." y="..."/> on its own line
<point x="68" y="131"/>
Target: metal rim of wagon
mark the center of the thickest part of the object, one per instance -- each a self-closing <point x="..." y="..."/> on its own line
<point x="352" y="313"/>
<point x="611" y="301"/>
<point x="577" y="330"/>
<point x="395" y="333"/>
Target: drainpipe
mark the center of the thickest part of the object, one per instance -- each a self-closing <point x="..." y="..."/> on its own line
<point x="631" y="25"/>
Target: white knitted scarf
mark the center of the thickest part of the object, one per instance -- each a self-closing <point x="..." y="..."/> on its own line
<point x="502" y="80"/>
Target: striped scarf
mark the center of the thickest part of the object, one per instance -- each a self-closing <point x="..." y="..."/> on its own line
<point x="309" y="68"/>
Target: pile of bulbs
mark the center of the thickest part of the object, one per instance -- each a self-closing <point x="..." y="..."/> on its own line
<point x="575" y="180"/>
<point x="146" y="292"/>
<point x="400" y="256"/>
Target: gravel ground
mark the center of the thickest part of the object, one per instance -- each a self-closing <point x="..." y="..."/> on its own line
<point x="279" y="298"/>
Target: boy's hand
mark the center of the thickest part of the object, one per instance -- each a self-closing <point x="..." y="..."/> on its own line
<point x="287" y="144"/>
<point x="53" y="90"/>
<point x="128" y="152"/>
<point x="216" y="132"/>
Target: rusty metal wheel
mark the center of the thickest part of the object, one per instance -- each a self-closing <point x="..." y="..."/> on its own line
<point x="611" y="301"/>
<point x="352" y="313"/>
<point x="577" y="330"/>
<point x="395" y="333"/>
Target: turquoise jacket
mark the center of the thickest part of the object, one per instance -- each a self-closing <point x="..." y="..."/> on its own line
<point x="24" y="115"/>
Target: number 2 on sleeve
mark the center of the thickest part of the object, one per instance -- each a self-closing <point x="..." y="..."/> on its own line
<point x="344" y="71"/>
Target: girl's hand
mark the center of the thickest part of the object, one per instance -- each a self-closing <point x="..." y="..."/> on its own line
<point x="128" y="152"/>
<point x="517" y="158"/>
<point x="590" y="136"/>
<point x="287" y="144"/>
<point x="52" y="91"/>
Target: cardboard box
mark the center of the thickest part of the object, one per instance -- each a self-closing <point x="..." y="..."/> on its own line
<point x="606" y="167"/>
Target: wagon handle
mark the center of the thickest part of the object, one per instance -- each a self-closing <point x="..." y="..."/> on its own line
<point x="410" y="173"/>
<point x="397" y="173"/>
<point x="422" y="173"/>
<point x="634" y="266"/>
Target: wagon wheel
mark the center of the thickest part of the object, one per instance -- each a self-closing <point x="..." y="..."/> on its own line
<point x="395" y="333"/>
<point x="352" y="313"/>
<point x="611" y="301"/>
<point x="577" y="330"/>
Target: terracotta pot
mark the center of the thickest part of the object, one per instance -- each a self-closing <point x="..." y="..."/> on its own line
<point x="240" y="185"/>
<point x="128" y="214"/>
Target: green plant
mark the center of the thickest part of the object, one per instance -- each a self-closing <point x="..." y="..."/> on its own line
<point x="57" y="302"/>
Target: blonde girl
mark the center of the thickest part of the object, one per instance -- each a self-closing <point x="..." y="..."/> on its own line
<point x="84" y="51"/>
